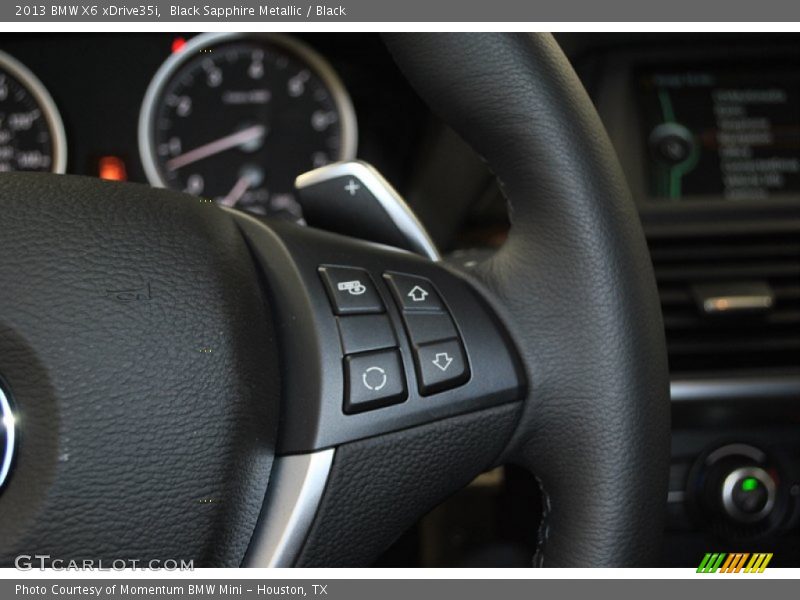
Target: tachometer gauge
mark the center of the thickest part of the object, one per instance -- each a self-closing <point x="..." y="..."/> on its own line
<point x="236" y="117"/>
<point x="31" y="132"/>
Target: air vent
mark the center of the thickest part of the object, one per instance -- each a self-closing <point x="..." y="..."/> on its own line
<point x="759" y="334"/>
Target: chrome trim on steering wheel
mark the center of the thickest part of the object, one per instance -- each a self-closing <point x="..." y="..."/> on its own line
<point x="294" y="493"/>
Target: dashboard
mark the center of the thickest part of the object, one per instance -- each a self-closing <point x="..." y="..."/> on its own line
<point x="229" y="116"/>
<point x="707" y="128"/>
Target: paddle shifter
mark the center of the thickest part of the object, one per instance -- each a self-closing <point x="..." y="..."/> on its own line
<point x="353" y="198"/>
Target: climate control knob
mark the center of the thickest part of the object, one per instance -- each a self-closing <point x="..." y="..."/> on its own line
<point x="738" y="491"/>
<point x="748" y="494"/>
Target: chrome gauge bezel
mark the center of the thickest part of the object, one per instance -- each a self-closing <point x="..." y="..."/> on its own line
<point x="52" y="117"/>
<point x="317" y="63"/>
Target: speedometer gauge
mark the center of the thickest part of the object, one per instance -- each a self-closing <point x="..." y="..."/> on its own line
<point x="31" y="132"/>
<point x="236" y="117"/>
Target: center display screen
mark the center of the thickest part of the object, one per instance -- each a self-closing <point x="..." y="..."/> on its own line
<point x="731" y="132"/>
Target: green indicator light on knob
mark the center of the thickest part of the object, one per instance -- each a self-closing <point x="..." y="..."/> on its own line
<point x="749" y="484"/>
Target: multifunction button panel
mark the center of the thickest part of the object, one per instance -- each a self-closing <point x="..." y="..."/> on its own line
<point x="374" y="339"/>
<point x="373" y="366"/>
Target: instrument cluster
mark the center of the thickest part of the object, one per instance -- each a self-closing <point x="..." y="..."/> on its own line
<point x="232" y="117"/>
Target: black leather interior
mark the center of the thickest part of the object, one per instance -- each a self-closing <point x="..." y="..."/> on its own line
<point x="575" y="285"/>
<point x="135" y="341"/>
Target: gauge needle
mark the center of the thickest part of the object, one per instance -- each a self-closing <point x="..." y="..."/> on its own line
<point x="237" y="191"/>
<point x="217" y="146"/>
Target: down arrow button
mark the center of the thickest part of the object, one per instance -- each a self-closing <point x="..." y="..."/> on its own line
<point x="440" y="366"/>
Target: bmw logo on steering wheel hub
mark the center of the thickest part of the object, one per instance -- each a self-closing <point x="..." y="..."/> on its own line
<point x="7" y="437"/>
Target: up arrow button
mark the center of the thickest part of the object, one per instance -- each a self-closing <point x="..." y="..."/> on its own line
<point x="414" y="293"/>
<point x="418" y="294"/>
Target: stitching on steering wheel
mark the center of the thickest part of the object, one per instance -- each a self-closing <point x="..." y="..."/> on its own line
<point x="544" y="528"/>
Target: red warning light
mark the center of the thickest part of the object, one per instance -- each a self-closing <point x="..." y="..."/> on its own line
<point x="177" y="44"/>
<point x="112" y="168"/>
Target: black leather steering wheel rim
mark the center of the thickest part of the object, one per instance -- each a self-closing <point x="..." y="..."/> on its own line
<point x="576" y="286"/>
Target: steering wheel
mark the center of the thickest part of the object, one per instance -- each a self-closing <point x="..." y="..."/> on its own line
<point x="192" y="383"/>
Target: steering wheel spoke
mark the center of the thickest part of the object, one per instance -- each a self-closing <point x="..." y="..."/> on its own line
<point x="374" y="340"/>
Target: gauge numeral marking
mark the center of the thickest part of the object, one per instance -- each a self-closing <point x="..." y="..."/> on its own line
<point x="195" y="184"/>
<point x="296" y="86"/>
